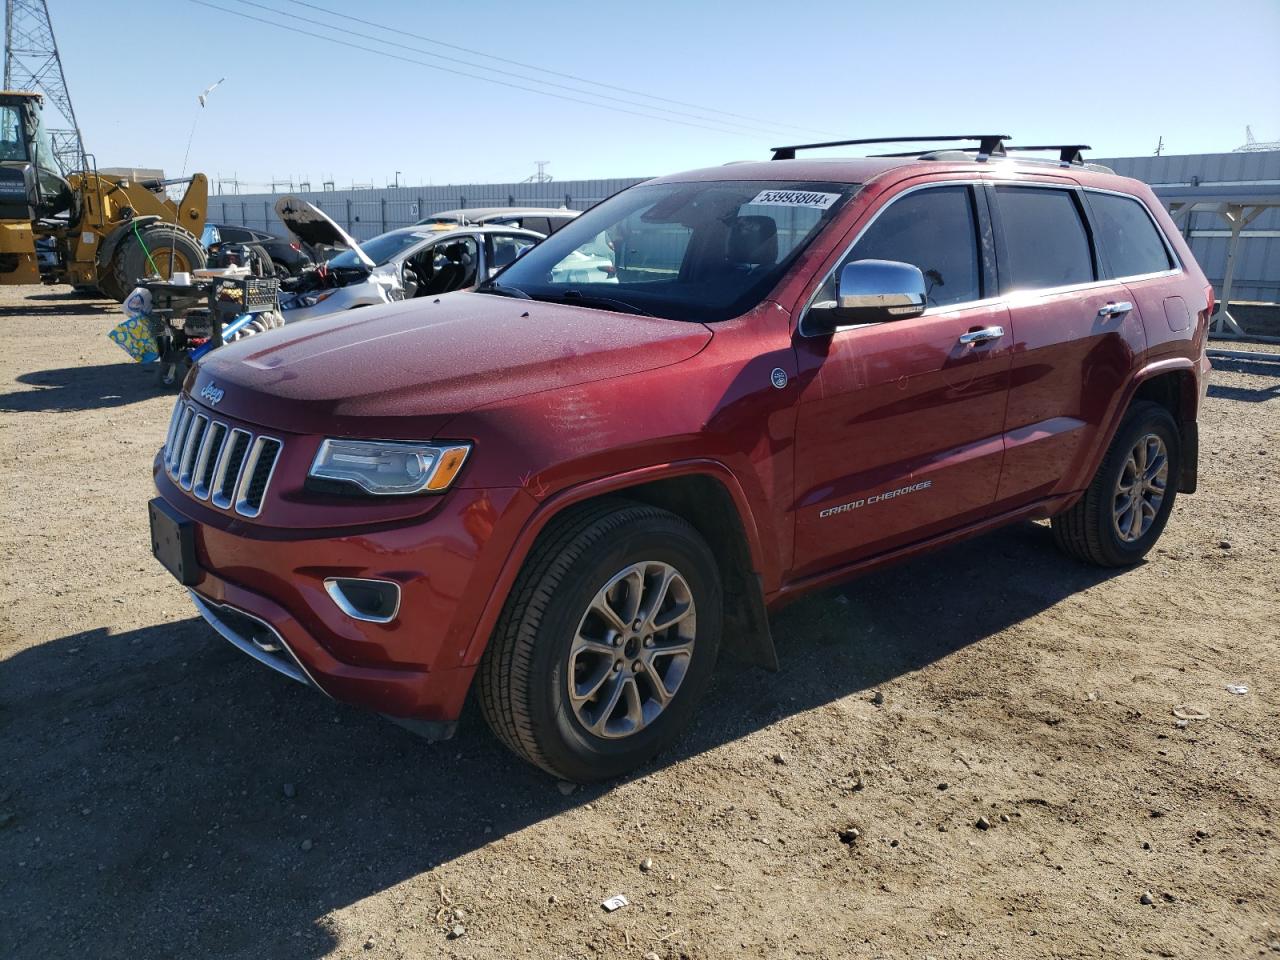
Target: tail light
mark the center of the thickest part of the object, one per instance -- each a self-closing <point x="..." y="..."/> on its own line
<point x="1208" y="294"/>
<point x="298" y="248"/>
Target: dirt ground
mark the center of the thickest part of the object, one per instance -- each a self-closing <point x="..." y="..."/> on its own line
<point x="162" y="795"/>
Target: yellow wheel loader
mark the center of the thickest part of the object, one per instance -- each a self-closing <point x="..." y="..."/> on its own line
<point x="85" y="228"/>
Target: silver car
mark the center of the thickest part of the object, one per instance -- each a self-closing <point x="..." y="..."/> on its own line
<point x="416" y="261"/>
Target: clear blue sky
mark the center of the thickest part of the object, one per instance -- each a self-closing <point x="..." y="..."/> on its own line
<point x="1113" y="74"/>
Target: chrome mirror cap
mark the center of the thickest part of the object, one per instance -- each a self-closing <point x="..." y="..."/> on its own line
<point x="871" y="291"/>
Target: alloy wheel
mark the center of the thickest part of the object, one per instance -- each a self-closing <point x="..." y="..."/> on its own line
<point x="1140" y="489"/>
<point x="632" y="649"/>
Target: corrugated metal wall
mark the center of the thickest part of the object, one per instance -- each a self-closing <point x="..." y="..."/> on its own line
<point x="367" y="213"/>
<point x="1258" y="258"/>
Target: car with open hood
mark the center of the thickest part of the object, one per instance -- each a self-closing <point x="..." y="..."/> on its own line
<point x="566" y="491"/>
<point x="417" y="261"/>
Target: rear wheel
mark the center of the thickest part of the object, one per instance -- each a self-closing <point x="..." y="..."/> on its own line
<point x="157" y="249"/>
<point x="607" y="641"/>
<point x="1125" y="509"/>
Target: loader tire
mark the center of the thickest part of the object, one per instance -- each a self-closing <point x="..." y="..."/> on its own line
<point x="148" y="251"/>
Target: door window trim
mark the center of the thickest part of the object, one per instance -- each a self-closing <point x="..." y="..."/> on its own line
<point x="985" y="241"/>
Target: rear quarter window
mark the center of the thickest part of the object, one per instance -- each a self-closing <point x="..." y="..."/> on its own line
<point x="1131" y="244"/>
<point x="1045" y="242"/>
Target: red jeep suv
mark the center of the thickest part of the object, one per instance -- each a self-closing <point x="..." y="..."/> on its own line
<point x="708" y="395"/>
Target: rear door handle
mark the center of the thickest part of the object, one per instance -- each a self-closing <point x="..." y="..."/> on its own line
<point x="982" y="336"/>
<point x="1116" y="309"/>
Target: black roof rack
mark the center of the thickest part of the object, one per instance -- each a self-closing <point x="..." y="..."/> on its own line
<point x="989" y="144"/>
<point x="1068" y="153"/>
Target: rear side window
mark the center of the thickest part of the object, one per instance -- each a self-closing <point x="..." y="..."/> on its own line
<point x="1045" y="240"/>
<point x="1131" y="245"/>
<point x="934" y="229"/>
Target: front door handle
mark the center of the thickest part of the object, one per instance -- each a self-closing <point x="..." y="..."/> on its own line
<point x="1116" y="309"/>
<point x="982" y="336"/>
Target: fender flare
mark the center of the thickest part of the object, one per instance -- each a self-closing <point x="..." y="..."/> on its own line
<point x="758" y="647"/>
<point x="1140" y="376"/>
<point x="107" y="249"/>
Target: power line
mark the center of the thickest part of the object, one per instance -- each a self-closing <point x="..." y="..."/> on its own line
<point x="505" y="73"/>
<point x="546" y="70"/>
<point x="469" y="76"/>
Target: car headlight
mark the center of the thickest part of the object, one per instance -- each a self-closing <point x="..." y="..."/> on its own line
<point x="311" y="299"/>
<point x="387" y="467"/>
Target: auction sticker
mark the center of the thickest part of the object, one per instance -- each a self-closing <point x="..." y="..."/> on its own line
<point x="795" y="198"/>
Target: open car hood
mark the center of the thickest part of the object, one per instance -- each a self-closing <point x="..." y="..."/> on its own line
<point x="312" y="225"/>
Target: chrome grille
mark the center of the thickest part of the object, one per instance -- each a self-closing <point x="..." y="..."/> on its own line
<point x="228" y="466"/>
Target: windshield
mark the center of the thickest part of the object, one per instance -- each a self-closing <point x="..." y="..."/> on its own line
<point x="703" y="251"/>
<point x="382" y="248"/>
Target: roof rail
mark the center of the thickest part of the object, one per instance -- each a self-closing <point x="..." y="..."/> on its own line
<point x="989" y="144"/>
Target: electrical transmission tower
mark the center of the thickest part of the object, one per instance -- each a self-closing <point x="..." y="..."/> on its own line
<point x="31" y="62"/>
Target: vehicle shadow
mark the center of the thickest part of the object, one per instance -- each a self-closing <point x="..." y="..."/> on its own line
<point x="83" y="388"/>
<point x="144" y="813"/>
<point x="72" y="304"/>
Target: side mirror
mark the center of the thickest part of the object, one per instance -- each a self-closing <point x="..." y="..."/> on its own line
<point x="870" y="291"/>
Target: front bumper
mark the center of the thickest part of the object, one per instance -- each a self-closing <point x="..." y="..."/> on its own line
<point x="263" y="589"/>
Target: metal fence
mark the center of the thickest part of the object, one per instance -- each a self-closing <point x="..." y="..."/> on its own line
<point x="1257" y="266"/>
<point x="367" y="213"/>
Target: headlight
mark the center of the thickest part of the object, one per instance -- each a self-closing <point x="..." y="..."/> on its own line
<point x="388" y="466"/>
<point x="311" y="299"/>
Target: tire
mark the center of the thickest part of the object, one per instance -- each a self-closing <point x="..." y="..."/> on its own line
<point x="524" y="677"/>
<point x="131" y="261"/>
<point x="282" y="269"/>
<point x="1095" y="530"/>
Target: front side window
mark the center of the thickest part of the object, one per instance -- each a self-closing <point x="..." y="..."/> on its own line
<point x="702" y="251"/>
<point x="1131" y="245"/>
<point x="12" y="142"/>
<point x="1045" y="243"/>
<point x="934" y="229"/>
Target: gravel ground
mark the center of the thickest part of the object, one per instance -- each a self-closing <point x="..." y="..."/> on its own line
<point x="161" y="795"/>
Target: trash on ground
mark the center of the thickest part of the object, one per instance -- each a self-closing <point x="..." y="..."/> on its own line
<point x="1237" y="688"/>
<point x="1186" y="712"/>
<point x="616" y="903"/>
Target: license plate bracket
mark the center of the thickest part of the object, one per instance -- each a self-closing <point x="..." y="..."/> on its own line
<point x="173" y="542"/>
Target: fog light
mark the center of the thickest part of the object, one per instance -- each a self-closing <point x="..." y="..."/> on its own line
<point x="376" y="601"/>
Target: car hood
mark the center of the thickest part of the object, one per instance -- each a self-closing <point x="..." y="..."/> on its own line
<point x="313" y="226"/>
<point x="403" y="370"/>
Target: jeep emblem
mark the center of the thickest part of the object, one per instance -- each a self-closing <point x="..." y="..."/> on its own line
<point x="778" y="378"/>
<point x="212" y="393"/>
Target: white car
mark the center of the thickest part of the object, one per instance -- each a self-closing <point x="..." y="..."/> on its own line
<point x="416" y="261"/>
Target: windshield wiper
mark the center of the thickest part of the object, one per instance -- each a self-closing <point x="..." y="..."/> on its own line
<point x="607" y="303"/>
<point x="503" y="290"/>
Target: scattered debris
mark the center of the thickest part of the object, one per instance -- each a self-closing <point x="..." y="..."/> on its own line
<point x="1224" y="544"/>
<point x="1237" y="688"/>
<point x="616" y="902"/>
<point x="877" y="698"/>
<point x="848" y="835"/>
<point x="983" y="823"/>
<point x="1187" y="712"/>
<point x="780" y="759"/>
<point x="1004" y="818"/>
<point x="368" y="944"/>
<point x="944" y="785"/>
<point x="646" y="865"/>
<point x="458" y="931"/>
<point x="1146" y="899"/>
<point x="1202" y="834"/>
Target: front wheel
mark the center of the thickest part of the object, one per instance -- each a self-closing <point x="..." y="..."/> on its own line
<point x="607" y="641"/>
<point x="1125" y="509"/>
